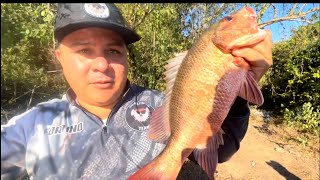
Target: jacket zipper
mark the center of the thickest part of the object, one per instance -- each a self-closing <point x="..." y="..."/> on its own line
<point x="105" y="127"/>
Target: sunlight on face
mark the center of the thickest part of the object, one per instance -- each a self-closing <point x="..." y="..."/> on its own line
<point x="95" y="64"/>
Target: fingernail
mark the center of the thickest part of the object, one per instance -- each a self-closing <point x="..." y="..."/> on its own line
<point x="237" y="61"/>
<point x="236" y="52"/>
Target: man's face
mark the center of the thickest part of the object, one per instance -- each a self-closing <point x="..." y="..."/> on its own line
<point x="94" y="62"/>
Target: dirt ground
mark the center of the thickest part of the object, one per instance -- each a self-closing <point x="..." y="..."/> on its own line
<point x="267" y="152"/>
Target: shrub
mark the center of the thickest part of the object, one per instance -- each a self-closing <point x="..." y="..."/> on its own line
<point x="292" y="86"/>
<point x="306" y="118"/>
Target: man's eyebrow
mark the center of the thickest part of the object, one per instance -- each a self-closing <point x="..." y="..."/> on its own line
<point x="116" y="43"/>
<point x="84" y="43"/>
<point x="79" y="43"/>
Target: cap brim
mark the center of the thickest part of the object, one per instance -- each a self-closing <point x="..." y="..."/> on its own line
<point x="129" y="36"/>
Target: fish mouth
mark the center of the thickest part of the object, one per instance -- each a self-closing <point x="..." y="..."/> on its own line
<point x="251" y="11"/>
<point x="247" y="40"/>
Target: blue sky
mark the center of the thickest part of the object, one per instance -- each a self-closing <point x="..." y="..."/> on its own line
<point x="282" y="30"/>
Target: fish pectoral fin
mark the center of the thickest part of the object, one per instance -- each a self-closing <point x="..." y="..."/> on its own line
<point x="250" y="90"/>
<point x="207" y="157"/>
<point x="159" y="128"/>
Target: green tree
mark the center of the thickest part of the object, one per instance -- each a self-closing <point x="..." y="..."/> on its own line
<point x="161" y="32"/>
<point x="27" y="42"/>
<point x="27" y="46"/>
<point x="292" y="86"/>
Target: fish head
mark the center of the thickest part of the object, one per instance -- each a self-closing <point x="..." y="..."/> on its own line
<point x="238" y="29"/>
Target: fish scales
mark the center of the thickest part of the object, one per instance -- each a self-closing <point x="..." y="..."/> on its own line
<point x="204" y="88"/>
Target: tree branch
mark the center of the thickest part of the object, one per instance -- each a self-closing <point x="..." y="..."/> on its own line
<point x="307" y="21"/>
<point x="292" y="9"/>
<point x="274" y="11"/>
<point x="30" y="100"/>
<point x="302" y="7"/>
<point x="143" y="18"/>
<point x="262" y="10"/>
<point x="291" y="17"/>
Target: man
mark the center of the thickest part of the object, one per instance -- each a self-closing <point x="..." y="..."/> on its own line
<point x="98" y="129"/>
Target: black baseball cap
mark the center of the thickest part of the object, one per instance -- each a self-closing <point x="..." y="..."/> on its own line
<point x="74" y="16"/>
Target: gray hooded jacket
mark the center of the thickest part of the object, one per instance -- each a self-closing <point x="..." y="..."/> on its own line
<point x="58" y="139"/>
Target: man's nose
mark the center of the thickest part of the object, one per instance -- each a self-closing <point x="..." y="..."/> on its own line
<point x="100" y="63"/>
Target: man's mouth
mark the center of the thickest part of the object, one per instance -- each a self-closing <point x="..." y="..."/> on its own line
<point x="103" y="84"/>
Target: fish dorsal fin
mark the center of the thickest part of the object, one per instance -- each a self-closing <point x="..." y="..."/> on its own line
<point x="159" y="128"/>
<point x="171" y="72"/>
<point x="207" y="157"/>
<point x="250" y="90"/>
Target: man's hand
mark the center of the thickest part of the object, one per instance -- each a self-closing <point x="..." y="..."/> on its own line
<point x="258" y="57"/>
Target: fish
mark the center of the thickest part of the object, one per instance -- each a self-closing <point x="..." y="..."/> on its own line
<point x="201" y="86"/>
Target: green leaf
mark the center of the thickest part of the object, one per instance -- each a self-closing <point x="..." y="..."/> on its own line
<point x="43" y="13"/>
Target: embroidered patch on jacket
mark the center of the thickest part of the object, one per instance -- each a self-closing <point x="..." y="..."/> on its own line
<point x="138" y="116"/>
<point x="53" y="130"/>
<point x="99" y="10"/>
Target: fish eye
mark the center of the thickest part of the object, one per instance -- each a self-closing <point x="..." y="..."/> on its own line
<point x="228" y="18"/>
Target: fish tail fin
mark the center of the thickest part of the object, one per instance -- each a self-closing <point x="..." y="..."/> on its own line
<point x="156" y="171"/>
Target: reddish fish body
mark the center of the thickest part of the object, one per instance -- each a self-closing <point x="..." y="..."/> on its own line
<point x="202" y="85"/>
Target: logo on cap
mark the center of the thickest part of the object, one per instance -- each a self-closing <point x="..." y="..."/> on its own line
<point x="99" y="10"/>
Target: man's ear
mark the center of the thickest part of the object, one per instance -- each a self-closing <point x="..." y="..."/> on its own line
<point x="57" y="53"/>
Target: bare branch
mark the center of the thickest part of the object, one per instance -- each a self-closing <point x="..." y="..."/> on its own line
<point x="292" y="9"/>
<point x="262" y="10"/>
<point x="299" y="20"/>
<point x="30" y="100"/>
<point x="221" y="8"/>
<point x="302" y="7"/>
<point x="274" y="11"/>
<point x="17" y="98"/>
<point x="311" y="10"/>
<point x="292" y="17"/>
